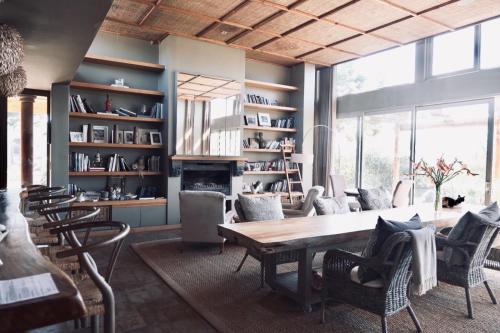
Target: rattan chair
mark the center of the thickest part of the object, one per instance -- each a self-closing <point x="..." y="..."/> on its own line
<point x="474" y="246"/>
<point x="384" y="296"/>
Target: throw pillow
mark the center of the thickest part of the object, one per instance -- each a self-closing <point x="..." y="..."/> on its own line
<point x="261" y="208"/>
<point x="330" y="206"/>
<point x="383" y="230"/>
<point x="375" y="198"/>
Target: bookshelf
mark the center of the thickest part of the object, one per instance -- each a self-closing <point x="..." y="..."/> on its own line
<point x="273" y="129"/>
<point x="270" y="107"/>
<point x="142" y="77"/>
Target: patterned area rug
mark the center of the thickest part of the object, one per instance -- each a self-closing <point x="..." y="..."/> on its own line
<point x="233" y="302"/>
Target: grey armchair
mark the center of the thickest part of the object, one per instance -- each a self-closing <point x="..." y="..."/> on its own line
<point x="304" y="207"/>
<point x="401" y="195"/>
<point x="339" y="186"/>
<point x="201" y="212"/>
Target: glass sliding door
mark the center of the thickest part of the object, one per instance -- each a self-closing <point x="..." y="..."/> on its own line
<point x="346" y="150"/>
<point x="454" y="131"/>
<point x="386" y="149"/>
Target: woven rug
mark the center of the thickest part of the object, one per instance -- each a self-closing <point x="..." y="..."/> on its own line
<point x="233" y="302"/>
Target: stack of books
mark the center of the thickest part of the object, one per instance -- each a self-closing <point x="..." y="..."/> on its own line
<point x="278" y="186"/>
<point x="79" y="104"/>
<point x="283" y="122"/>
<point x="117" y="163"/>
<point x="78" y="162"/>
<point x="153" y="163"/>
<point x="157" y="111"/>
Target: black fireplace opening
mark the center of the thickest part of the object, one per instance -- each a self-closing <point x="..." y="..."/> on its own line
<point x="205" y="176"/>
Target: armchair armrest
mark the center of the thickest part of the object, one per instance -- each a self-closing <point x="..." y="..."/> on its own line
<point x="340" y="261"/>
<point x="295" y="206"/>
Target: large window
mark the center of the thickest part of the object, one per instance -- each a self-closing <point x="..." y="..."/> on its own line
<point x="384" y="69"/>
<point x="453" y="51"/>
<point x="386" y="149"/>
<point x="490" y="47"/>
<point x="346" y="149"/>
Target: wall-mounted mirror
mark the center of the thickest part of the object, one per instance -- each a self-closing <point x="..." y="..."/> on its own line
<point x="208" y="115"/>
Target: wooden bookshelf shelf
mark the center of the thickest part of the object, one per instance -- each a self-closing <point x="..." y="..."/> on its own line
<point x="114" y="118"/>
<point x="111" y="89"/>
<point x="114" y="173"/>
<point x="283" y="194"/>
<point x="112" y="61"/>
<point x="113" y="145"/>
<point x="275" y="129"/>
<point x="269" y="85"/>
<point x="268" y="172"/>
<point x="271" y="107"/>
<point x="258" y="150"/>
<point x="122" y="203"/>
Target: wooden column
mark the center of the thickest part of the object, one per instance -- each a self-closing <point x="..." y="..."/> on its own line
<point x="27" y="102"/>
<point x="3" y="142"/>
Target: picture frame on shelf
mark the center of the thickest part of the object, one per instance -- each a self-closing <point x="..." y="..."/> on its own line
<point x="100" y="134"/>
<point x="128" y="137"/>
<point x="155" y="138"/>
<point x="143" y="136"/>
<point x="264" y="119"/>
<point x="76" y="137"/>
<point x="253" y="143"/>
<point x="119" y="138"/>
<point x="251" y="120"/>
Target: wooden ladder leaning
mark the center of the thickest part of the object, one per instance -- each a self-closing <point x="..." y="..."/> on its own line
<point x="292" y="182"/>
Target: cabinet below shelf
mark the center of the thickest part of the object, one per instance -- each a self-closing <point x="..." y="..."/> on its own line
<point x="113" y="145"/>
<point x="114" y="173"/>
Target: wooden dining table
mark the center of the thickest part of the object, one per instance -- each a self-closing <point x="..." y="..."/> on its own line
<point x="309" y="235"/>
<point x="21" y="259"/>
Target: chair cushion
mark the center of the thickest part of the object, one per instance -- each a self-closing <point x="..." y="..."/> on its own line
<point x="261" y="208"/>
<point x="377" y="283"/>
<point x="375" y="198"/>
<point x="330" y="206"/>
<point x="383" y="230"/>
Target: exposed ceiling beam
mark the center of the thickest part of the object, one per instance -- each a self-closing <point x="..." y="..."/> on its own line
<point x="214" y="25"/>
<point x="149" y="12"/>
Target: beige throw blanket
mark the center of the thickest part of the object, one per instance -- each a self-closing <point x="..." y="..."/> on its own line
<point x="424" y="260"/>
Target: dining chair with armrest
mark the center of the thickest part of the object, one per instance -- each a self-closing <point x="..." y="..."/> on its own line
<point x="401" y="194"/>
<point x="339" y="187"/>
<point x="304" y="207"/>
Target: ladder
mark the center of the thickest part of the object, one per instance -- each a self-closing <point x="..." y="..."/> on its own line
<point x="292" y="182"/>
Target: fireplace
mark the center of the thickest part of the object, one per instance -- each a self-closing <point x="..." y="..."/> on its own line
<point x="206" y="176"/>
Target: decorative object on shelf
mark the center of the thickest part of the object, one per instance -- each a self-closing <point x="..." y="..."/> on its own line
<point x="11" y="49"/>
<point x="13" y="83"/>
<point x="262" y="142"/>
<point x="76" y="137"/>
<point x="104" y="195"/>
<point x="253" y="143"/>
<point x="128" y="137"/>
<point x="440" y="174"/>
<point x="257" y="187"/>
<point x="144" y="110"/>
<point x="107" y="104"/>
<point x="448" y="202"/>
<point x="264" y="119"/>
<point x="251" y="120"/>
<point x="97" y="164"/>
<point x="155" y="138"/>
<point x="119" y="83"/>
<point x="99" y="134"/>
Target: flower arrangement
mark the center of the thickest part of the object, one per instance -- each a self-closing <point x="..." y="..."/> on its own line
<point x="441" y="173"/>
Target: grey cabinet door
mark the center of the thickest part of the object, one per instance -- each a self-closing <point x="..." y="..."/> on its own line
<point x="155" y="215"/>
<point x="131" y="216"/>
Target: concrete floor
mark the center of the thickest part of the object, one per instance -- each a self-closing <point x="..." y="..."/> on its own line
<point x="144" y="303"/>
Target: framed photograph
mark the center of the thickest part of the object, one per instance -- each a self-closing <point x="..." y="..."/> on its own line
<point x="264" y="119"/>
<point x="143" y="136"/>
<point x="253" y="143"/>
<point x="128" y="137"/>
<point x="119" y="138"/>
<point x="155" y="138"/>
<point x="251" y="120"/>
<point x="76" y="137"/>
<point x="100" y="134"/>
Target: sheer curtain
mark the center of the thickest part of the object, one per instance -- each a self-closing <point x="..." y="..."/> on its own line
<point x="324" y="114"/>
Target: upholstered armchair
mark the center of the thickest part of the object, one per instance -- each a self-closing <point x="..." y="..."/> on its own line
<point x="201" y="212"/>
<point x="462" y="253"/>
<point x="384" y="296"/>
<point x="401" y="194"/>
<point x="305" y="207"/>
<point x="339" y="186"/>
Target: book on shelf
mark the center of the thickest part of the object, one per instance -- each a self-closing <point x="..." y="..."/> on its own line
<point x="125" y="112"/>
<point x="79" y="104"/>
<point x="278" y="186"/>
<point x="78" y="162"/>
<point x="288" y="122"/>
<point x="153" y="163"/>
<point x="274" y="165"/>
<point x="157" y="111"/>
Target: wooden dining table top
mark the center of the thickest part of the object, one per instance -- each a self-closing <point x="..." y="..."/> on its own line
<point x="22" y="259"/>
<point x="305" y="231"/>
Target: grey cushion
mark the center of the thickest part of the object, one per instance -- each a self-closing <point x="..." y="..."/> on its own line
<point x="330" y="206"/>
<point x="375" y="198"/>
<point x="261" y="208"/>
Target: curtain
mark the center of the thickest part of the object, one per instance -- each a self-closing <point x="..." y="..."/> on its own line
<point x="325" y="113"/>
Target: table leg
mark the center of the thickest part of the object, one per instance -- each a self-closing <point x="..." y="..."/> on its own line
<point x="270" y="269"/>
<point x="304" y="278"/>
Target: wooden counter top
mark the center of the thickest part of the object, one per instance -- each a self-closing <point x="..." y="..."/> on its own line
<point x="21" y="259"/>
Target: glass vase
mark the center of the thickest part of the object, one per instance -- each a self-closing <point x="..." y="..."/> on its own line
<point x="437" y="199"/>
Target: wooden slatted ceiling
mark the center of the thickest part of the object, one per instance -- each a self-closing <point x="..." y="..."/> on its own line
<point x="292" y="31"/>
<point x="205" y="87"/>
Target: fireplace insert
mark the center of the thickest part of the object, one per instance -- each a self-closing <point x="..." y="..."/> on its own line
<point x="206" y="176"/>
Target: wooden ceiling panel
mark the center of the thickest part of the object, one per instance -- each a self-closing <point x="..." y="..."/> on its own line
<point x="175" y="22"/>
<point x="223" y="32"/>
<point x="253" y="38"/>
<point x="463" y="13"/>
<point x="129" y="11"/>
<point x="130" y="31"/>
<point x="410" y="30"/>
<point x="252" y="14"/>
<point x="323" y="33"/>
<point x="285" y="22"/>
<point x="417" y="6"/>
<point x="288" y="47"/>
<point x="367" y="14"/>
<point x="318" y="7"/>
<point x="329" y="56"/>
<point x="365" y="45"/>
<point x="216" y="8"/>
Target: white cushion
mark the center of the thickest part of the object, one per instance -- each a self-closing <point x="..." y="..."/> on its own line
<point x="377" y="283"/>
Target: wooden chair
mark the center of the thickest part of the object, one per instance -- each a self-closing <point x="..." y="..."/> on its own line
<point x="384" y="296"/>
<point x="474" y="246"/>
